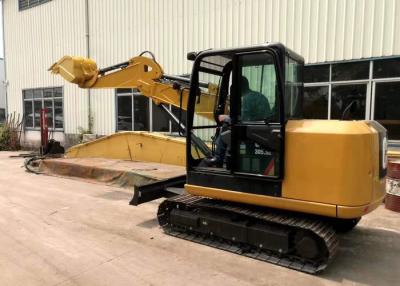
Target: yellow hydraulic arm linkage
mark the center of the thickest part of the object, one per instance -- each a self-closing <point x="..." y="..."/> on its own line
<point x="142" y="73"/>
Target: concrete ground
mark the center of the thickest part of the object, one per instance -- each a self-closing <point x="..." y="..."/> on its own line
<point x="56" y="231"/>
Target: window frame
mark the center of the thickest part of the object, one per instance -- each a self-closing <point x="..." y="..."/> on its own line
<point x="373" y="98"/>
<point x="133" y="93"/>
<point x="42" y="99"/>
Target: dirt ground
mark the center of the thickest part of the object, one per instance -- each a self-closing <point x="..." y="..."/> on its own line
<point x="56" y="231"/>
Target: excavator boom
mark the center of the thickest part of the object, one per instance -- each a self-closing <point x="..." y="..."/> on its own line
<point x="142" y="73"/>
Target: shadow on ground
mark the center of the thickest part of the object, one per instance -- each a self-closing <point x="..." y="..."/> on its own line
<point x="367" y="256"/>
<point x="116" y="196"/>
<point x="151" y="223"/>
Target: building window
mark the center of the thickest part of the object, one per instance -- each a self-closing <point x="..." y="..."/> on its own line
<point x="315" y="102"/>
<point x="387" y="111"/>
<point x="350" y="71"/>
<point x="2" y="115"/>
<point x="387" y="68"/>
<point x="124" y="114"/>
<point x="26" y="4"/>
<point x="367" y="89"/>
<point x="348" y="101"/>
<point x="316" y="73"/>
<point x="39" y="98"/>
<point x="138" y="113"/>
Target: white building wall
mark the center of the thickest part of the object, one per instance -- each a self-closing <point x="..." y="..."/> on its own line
<point x="34" y="39"/>
<point x="120" y="30"/>
<point x="320" y="30"/>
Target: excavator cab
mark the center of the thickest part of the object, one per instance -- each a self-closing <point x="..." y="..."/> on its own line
<point x="259" y="88"/>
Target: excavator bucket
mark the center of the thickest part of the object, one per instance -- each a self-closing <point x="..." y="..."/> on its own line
<point x="78" y="70"/>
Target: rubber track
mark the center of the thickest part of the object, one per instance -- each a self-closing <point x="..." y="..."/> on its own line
<point x="318" y="227"/>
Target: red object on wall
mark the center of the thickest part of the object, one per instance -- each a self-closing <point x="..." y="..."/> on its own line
<point x="44" y="129"/>
<point x="392" y="201"/>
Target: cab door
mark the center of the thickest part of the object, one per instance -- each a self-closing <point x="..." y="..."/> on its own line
<point x="258" y="127"/>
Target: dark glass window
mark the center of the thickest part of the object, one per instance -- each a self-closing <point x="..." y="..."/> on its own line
<point x="37" y="106"/>
<point x="141" y="114"/>
<point x="58" y="113"/>
<point x="28" y="94"/>
<point x="258" y="86"/>
<point x="37" y="93"/>
<point x="133" y="113"/>
<point x="124" y="117"/>
<point x="316" y="73"/>
<point x="26" y="4"/>
<point x="58" y="92"/>
<point x="348" y="101"/>
<point x="387" y="107"/>
<point x="28" y="112"/>
<point x="350" y="71"/>
<point x="39" y="98"/>
<point x="2" y="115"/>
<point x="160" y="119"/>
<point x="48" y="92"/>
<point x="315" y="102"/>
<point x="124" y="90"/>
<point x="387" y="68"/>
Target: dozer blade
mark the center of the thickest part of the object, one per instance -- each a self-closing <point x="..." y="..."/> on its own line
<point x="161" y="189"/>
<point x="78" y="70"/>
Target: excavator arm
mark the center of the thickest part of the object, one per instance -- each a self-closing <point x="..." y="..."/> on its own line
<point x="142" y="73"/>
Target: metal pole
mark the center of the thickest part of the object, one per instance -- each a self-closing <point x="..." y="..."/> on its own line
<point x="87" y="34"/>
<point x="4" y="59"/>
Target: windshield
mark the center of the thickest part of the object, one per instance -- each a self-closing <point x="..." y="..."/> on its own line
<point x="258" y="88"/>
<point x="293" y="88"/>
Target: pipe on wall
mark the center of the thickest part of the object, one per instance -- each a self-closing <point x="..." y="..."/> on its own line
<point x="87" y="35"/>
<point x="4" y="60"/>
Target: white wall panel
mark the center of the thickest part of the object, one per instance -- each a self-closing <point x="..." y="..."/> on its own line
<point x="34" y="39"/>
<point x="320" y="30"/>
<point x="123" y="29"/>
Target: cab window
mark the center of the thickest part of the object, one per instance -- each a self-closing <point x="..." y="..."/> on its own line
<point x="258" y="88"/>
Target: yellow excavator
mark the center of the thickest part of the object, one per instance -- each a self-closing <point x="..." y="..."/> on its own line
<point x="285" y="185"/>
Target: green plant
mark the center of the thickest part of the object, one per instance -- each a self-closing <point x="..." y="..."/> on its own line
<point x="89" y="130"/>
<point x="10" y="132"/>
<point x="81" y="132"/>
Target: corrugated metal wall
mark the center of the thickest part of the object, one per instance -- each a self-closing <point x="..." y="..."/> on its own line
<point x="120" y="30"/>
<point x="34" y="39"/>
<point x="320" y="30"/>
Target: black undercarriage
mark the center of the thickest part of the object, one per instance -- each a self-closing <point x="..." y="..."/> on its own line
<point x="288" y="239"/>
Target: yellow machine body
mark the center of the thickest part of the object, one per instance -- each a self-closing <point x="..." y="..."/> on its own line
<point x="332" y="171"/>
<point x="134" y="146"/>
<point x="329" y="167"/>
<point x="311" y="178"/>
